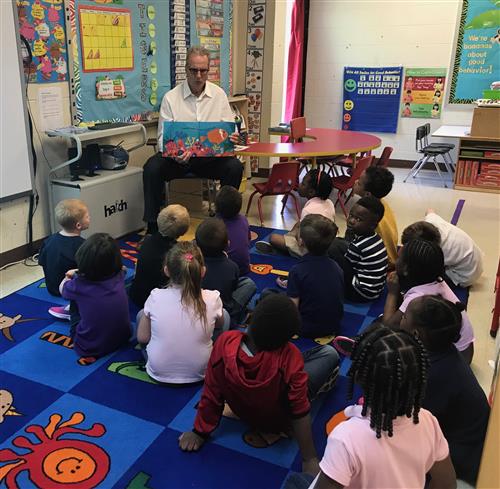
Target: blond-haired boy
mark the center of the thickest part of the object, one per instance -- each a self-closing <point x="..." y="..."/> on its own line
<point x="57" y="254"/>
<point x="173" y="221"/>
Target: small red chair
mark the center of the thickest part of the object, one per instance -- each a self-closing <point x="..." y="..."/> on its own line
<point x="283" y="179"/>
<point x="345" y="183"/>
<point x="297" y="129"/>
<point x="383" y="161"/>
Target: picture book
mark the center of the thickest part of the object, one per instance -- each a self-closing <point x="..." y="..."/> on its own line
<point x="201" y="138"/>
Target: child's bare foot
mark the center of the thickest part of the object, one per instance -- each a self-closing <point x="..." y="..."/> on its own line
<point x="228" y="412"/>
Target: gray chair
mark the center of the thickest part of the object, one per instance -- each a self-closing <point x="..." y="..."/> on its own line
<point x="428" y="153"/>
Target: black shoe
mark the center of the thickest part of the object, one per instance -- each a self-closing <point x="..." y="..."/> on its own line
<point x="264" y="247"/>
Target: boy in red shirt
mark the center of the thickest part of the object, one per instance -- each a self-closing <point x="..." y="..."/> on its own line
<point x="266" y="381"/>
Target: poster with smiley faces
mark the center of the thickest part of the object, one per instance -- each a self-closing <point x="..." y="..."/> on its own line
<point x="41" y="23"/>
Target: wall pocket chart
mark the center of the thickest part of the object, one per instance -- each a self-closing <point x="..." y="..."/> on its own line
<point x="371" y="99"/>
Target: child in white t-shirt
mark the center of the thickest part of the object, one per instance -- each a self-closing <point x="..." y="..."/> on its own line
<point x="389" y="441"/>
<point x="316" y="186"/>
<point x="463" y="259"/>
<point x="178" y="321"/>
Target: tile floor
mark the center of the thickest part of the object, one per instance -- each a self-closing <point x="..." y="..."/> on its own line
<point x="480" y="218"/>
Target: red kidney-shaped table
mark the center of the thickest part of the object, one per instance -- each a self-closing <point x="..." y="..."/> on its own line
<point x="319" y="142"/>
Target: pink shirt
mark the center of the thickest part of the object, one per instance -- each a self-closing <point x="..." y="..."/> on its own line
<point x="442" y="289"/>
<point x="355" y="457"/>
<point x="180" y="343"/>
<point x="319" y="206"/>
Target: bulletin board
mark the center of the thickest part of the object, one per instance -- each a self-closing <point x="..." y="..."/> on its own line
<point x="126" y="54"/>
<point x="477" y="52"/>
<point x="42" y="25"/>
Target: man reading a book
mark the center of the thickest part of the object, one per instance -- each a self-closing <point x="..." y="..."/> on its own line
<point x="193" y="100"/>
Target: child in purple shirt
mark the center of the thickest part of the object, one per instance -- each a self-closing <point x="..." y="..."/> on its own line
<point x="228" y="205"/>
<point x="101" y="323"/>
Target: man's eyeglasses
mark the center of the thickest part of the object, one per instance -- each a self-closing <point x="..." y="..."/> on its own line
<point x="195" y="71"/>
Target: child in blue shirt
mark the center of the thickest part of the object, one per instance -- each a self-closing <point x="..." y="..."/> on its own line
<point x="316" y="283"/>
<point x="57" y="254"/>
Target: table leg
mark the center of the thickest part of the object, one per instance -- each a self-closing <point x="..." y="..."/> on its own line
<point x="354" y="160"/>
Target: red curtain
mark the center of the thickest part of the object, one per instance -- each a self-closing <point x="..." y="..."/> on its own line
<point x="296" y="55"/>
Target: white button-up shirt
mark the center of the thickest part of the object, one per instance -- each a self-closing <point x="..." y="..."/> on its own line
<point x="179" y="104"/>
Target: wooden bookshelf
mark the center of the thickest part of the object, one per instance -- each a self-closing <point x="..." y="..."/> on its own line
<point x="479" y="173"/>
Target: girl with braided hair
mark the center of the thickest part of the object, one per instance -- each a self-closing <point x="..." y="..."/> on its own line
<point x="178" y="322"/>
<point x="453" y="394"/>
<point x="420" y="271"/>
<point x="389" y="441"/>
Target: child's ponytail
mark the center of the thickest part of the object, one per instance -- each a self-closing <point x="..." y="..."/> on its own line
<point x="185" y="264"/>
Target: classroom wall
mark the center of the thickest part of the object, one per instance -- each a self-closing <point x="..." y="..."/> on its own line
<point x="412" y="33"/>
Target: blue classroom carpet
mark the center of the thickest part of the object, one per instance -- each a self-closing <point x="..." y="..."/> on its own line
<point x="109" y="425"/>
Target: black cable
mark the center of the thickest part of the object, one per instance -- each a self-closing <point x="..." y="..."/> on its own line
<point x="33" y="198"/>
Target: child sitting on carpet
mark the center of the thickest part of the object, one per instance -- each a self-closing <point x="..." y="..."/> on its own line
<point x="265" y="380"/>
<point x="419" y="271"/>
<point x="316" y="282"/>
<point x="377" y="181"/>
<point x="100" y="323"/>
<point x="222" y="273"/>
<point x="453" y="394"/>
<point x="178" y="321"/>
<point x="57" y="254"/>
<point x="463" y="260"/>
<point x="389" y="441"/>
<point x="316" y="187"/>
<point x="228" y="205"/>
<point x="173" y="222"/>
<point x="362" y="254"/>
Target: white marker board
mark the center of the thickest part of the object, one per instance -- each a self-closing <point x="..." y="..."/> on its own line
<point x="16" y="174"/>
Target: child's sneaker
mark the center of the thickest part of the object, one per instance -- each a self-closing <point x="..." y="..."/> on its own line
<point x="282" y="283"/>
<point x="60" y="312"/>
<point x="264" y="247"/>
<point x="343" y="345"/>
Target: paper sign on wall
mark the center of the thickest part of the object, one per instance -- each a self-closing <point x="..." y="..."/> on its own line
<point x="371" y="99"/>
<point x="108" y="89"/>
<point x="423" y="92"/>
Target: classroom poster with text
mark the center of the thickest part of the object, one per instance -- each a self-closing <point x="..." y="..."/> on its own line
<point x="477" y="55"/>
<point x="423" y="92"/>
<point x="371" y="99"/>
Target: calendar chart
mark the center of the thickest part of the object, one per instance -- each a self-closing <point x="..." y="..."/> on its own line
<point x="106" y="39"/>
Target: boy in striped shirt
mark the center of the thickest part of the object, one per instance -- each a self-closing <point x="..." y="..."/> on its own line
<point x="362" y="254"/>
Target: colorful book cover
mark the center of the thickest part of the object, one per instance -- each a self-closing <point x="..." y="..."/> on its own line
<point x="201" y="138"/>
